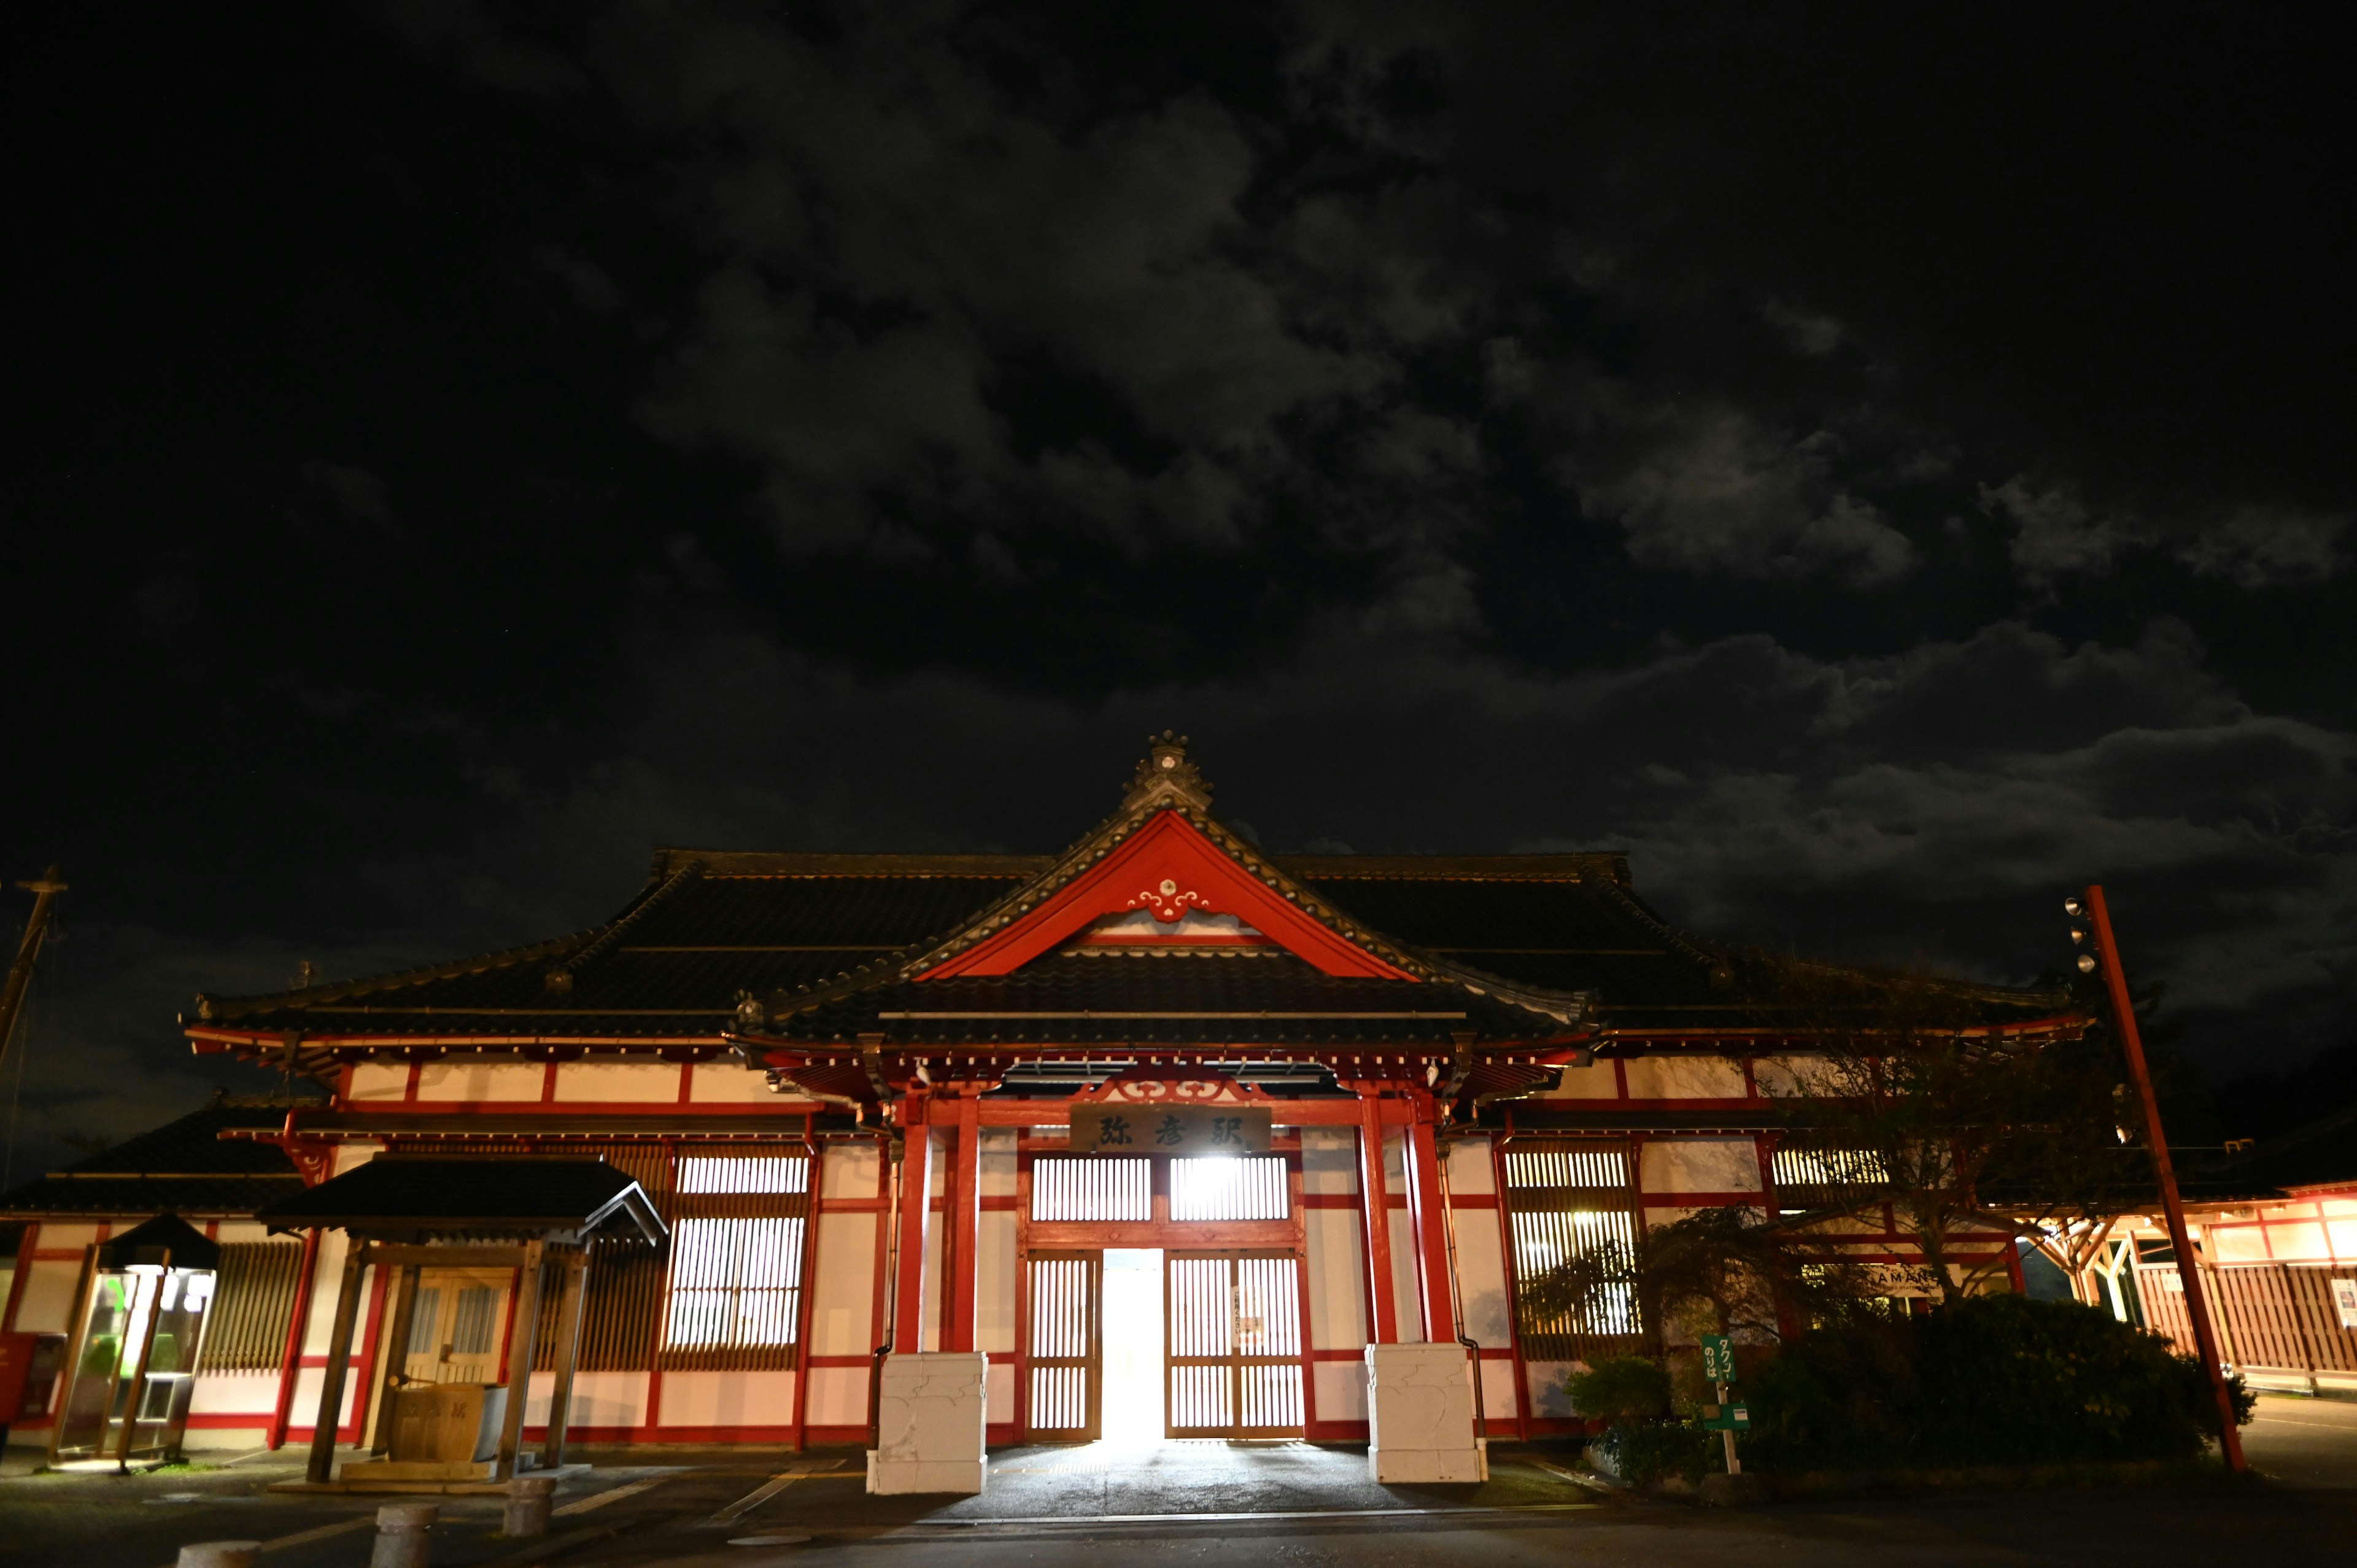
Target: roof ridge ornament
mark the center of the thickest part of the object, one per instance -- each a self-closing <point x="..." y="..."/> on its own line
<point x="1166" y="777"/>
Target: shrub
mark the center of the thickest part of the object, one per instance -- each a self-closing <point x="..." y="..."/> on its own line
<point x="1992" y="1379"/>
<point x="1640" y="1445"/>
<point x="1629" y="1389"/>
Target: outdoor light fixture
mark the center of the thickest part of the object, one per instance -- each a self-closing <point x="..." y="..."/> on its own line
<point x="2086" y="964"/>
<point x="2073" y="908"/>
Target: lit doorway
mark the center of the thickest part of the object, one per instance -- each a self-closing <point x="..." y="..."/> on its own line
<point x="1133" y="1346"/>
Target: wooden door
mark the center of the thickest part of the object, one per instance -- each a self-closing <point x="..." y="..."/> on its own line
<point x="1232" y="1322"/>
<point x="1065" y="1294"/>
<point x="457" y="1326"/>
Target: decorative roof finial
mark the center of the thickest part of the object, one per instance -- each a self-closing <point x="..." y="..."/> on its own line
<point x="1165" y="777"/>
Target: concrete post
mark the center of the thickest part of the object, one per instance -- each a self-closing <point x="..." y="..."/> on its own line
<point x="405" y="1535"/>
<point x="527" y="1511"/>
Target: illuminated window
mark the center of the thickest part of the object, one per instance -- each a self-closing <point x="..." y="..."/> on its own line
<point x="738" y="1227"/>
<point x="1239" y="1186"/>
<point x="1079" y="1187"/>
<point x="1571" y="1214"/>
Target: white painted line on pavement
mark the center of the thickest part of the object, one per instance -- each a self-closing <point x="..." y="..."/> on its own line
<point x="615" y="1493"/>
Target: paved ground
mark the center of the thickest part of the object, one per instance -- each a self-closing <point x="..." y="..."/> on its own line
<point x="1287" y="1506"/>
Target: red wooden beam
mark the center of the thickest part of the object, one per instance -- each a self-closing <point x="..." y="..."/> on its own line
<point x="908" y="1320"/>
<point x="960" y="1261"/>
<point x="1382" y="1304"/>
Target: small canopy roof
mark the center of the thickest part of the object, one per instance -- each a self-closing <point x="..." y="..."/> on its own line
<point x="166" y="1239"/>
<point x="407" y="1198"/>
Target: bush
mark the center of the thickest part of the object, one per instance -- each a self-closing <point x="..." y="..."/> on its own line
<point x="1990" y="1380"/>
<point x="1640" y="1445"/>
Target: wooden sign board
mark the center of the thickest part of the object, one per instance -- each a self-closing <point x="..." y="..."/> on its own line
<point x="1168" y="1129"/>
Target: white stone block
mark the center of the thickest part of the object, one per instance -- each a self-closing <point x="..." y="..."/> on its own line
<point x="931" y="1411"/>
<point x="1420" y="1415"/>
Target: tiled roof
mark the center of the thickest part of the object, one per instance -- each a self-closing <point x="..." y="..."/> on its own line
<point x="820" y="946"/>
<point x="181" y="1167"/>
<point x="510" y="1195"/>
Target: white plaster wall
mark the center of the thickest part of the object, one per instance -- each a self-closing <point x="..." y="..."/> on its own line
<point x="1341" y="1388"/>
<point x="839" y="1397"/>
<point x="998" y="1162"/>
<point x="55" y="1237"/>
<point x="1685" y="1078"/>
<point x="1498" y="1401"/>
<point x="994" y="1292"/>
<point x="1338" y="1313"/>
<point x="654" y="1083"/>
<point x="1407" y="1299"/>
<point x="602" y="1399"/>
<point x="1330" y="1160"/>
<point x="244" y="1230"/>
<point x="352" y="1156"/>
<point x="1547" y="1398"/>
<point x="46" y="1303"/>
<point x="1395" y="1164"/>
<point x="1700" y="1165"/>
<point x="471" y="1079"/>
<point x="1595" y="1081"/>
<point x="1469" y="1171"/>
<point x="1482" y="1278"/>
<point x="236" y="1393"/>
<point x="929" y="1311"/>
<point x="728" y="1399"/>
<point x="851" y="1170"/>
<point x="380" y="1081"/>
<point x="999" y="1391"/>
<point x="843" y="1286"/>
<point x="304" y="1408"/>
<point x="1790" y="1075"/>
<point x="729" y="1083"/>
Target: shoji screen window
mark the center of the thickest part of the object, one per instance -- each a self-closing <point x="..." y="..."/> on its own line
<point x="738" y="1226"/>
<point x="1571" y="1203"/>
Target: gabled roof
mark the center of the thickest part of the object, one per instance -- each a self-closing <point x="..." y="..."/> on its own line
<point x="512" y="1197"/>
<point x="1164" y="852"/>
<point x="181" y="1167"/>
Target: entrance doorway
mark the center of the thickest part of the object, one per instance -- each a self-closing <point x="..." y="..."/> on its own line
<point x="1233" y="1325"/>
<point x="456" y="1327"/>
<point x="1132" y="1345"/>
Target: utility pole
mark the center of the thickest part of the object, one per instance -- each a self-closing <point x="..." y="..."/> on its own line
<point x="20" y="974"/>
<point x="2196" y="1306"/>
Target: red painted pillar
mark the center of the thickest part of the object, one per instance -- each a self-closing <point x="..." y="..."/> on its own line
<point x="960" y="1265"/>
<point x="1424" y="1204"/>
<point x="1382" y="1304"/>
<point x="916" y="1207"/>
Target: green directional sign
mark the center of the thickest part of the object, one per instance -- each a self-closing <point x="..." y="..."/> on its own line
<point x="1719" y="1357"/>
<point x="1726" y="1418"/>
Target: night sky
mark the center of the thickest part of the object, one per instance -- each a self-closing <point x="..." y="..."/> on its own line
<point x="1882" y="467"/>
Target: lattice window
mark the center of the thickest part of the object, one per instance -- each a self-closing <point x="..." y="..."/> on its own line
<point x="1826" y="1178"/>
<point x="251" y="1306"/>
<point x="738" y="1227"/>
<point x="1081" y="1186"/>
<point x="1242" y="1187"/>
<point x="1571" y="1212"/>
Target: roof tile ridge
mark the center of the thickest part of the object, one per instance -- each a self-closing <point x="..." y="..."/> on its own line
<point x="1161" y="786"/>
<point x="213" y="1009"/>
<point x="560" y="976"/>
<point x="1710" y="959"/>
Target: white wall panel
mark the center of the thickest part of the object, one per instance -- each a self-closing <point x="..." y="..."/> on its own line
<point x="1598" y="1081"/>
<point x="383" y="1080"/>
<point x="1685" y="1078"/>
<point x="600" y="1399"/>
<point x="728" y="1399"/>
<point x="843" y="1287"/>
<point x="1330" y="1160"/>
<point x="1700" y="1165"/>
<point x="47" y="1302"/>
<point x="994" y="1290"/>
<point x="1470" y="1173"/>
<point x="1482" y="1278"/>
<point x="1406" y="1298"/>
<point x="466" y="1078"/>
<point x="616" y="1082"/>
<point x="1338" y="1312"/>
<point x="236" y="1393"/>
<point x="1342" y="1388"/>
<point x="850" y="1170"/>
<point x="839" y="1397"/>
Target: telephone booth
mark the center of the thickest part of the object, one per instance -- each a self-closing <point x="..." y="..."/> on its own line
<point x="132" y="1363"/>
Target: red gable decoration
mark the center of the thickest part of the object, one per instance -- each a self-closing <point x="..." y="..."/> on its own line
<point x="1167" y="867"/>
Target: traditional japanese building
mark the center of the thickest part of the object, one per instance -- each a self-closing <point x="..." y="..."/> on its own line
<point x="1164" y="1134"/>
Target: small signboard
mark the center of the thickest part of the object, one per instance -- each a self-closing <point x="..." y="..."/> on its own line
<point x="1726" y="1418"/>
<point x="1719" y="1357"/>
<point x="1117" y="1128"/>
<point x="2344" y="1301"/>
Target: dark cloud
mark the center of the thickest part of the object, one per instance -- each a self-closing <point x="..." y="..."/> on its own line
<point x="1881" y="471"/>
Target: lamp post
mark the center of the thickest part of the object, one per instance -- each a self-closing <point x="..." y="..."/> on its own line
<point x="2106" y="957"/>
